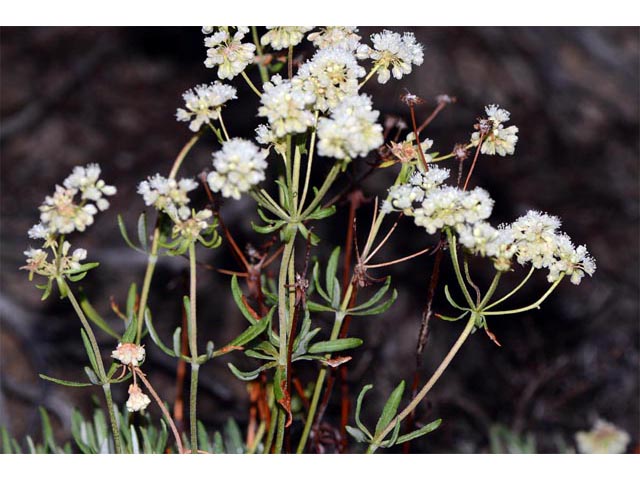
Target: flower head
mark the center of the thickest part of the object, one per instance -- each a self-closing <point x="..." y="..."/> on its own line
<point x="191" y="227"/>
<point x="88" y="182"/>
<point x="284" y="37"/>
<point x="137" y="401"/>
<point x="228" y="53"/>
<point x="498" y="139"/>
<point x="346" y="38"/>
<point x="129" y="354"/>
<point x="60" y="214"/>
<point x="604" y="437"/>
<point x="203" y="103"/>
<point x="392" y="51"/>
<point x="238" y="166"/>
<point x="168" y="194"/>
<point x="448" y="206"/>
<point x="331" y="76"/>
<point x="351" y="131"/>
<point x="286" y="107"/>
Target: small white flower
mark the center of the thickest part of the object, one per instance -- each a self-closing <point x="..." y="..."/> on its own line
<point x="536" y="237"/>
<point x="499" y="140"/>
<point x="285" y="107"/>
<point x="265" y="136"/>
<point x="571" y="261"/>
<point x="137" y="401"/>
<point x="39" y="231"/>
<point x="228" y="53"/>
<point x="448" y="206"/>
<point x="192" y="226"/>
<point x="88" y="182"/>
<point x="604" y="437"/>
<point x="284" y="37"/>
<point x="331" y="76"/>
<point x="203" y="103"/>
<point x="129" y="354"/>
<point x="60" y="214"/>
<point x="430" y="179"/>
<point x="238" y="166"/>
<point x="339" y="37"/>
<point x="483" y="239"/>
<point x="351" y="131"/>
<point x="167" y="194"/>
<point x="392" y="51"/>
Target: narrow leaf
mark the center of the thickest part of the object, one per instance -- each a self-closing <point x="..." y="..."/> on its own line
<point x="420" y="432"/>
<point x="390" y="409"/>
<point x="94" y="316"/>
<point x="125" y="235"/>
<point x="335" y="345"/>
<point x="66" y="383"/>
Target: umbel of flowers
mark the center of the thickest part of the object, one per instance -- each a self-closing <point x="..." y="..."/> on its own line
<point x="311" y="105"/>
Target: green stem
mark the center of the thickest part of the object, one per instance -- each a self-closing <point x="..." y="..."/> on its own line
<point x="520" y="285"/>
<point x="295" y="181"/>
<point x="264" y="76"/>
<point x="251" y="85"/>
<point x="264" y="200"/>
<point x="317" y="389"/>
<point x="307" y="177"/>
<point x="491" y="291"/>
<point x="328" y="181"/>
<point x="153" y="254"/>
<point x="224" y="128"/>
<point x="282" y="417"/>
<point x="456" y="266"/>
<point x="101" y="371"/>
<point x="377" y="440"/>
<point x="272" y="428"/>
<point x="371" y="74"/>
<point x="535" y="304"/>
<point x="193" y="347"/>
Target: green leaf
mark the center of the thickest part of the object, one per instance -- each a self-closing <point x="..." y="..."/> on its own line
<point x="337" y="345"/>
<point x="252" y="375"/>
<point x="253" y="331"/>
<point x="233" y="437"/>
<point x="131" y="300"/>
<point x="47" y="431"/>
<point x="161" y="442"/>
<point x="321" y="213"/>
<point x="6" y="442"/>
<point x="62" y="286"/>
<point x="308" y="234"/>
<point x="66" y="383"/>
<point x="142" y="231"/>
<point x="92" y="315"/>
<point x="357" y="434"/>
<point x="451" y="319"/>
<point x="237" y="297"/>
<point x="420" y="432"/>
<point x="156" y="338"/>
<point x="75" y="278"/>
<point x="125" y="236"/>
<point x="135" y="444"/>
<point x="390" y="409"/>
<point x="361" y="395"/>
<point x="451" y="301"/>
<point x="130" y="332"/>
<point x="394" y="437"/>
<point x="177" y="342"/>
<point x="375" y="298"/>
<point x="93" y="378"/>
<point x="332" y="268"/>
<point x="218" y="444"/>
<point x="316" y="281"/>
<point x="377" y="310"/>
<point x="89" y="349"/>
<point x="267" y="229"/>
<point x="85" y="267"/>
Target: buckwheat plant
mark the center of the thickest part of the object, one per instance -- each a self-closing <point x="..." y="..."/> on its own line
<point x="315" y="120"/>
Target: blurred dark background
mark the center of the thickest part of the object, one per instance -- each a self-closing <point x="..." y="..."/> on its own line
<point x="70" y="96"/>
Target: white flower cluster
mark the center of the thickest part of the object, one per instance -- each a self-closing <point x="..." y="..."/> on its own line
<point x="604" y="437"/>
<point x="284" y="37"/>
<point x="392" y="51"/>
<point x="37" y="261"/>
<point x="168" y="195"/>
<point x="346" y="38"/>
<point x="448" y="206"/>
<point x="129" y="354"/>
<point x="194" y="225"/>
<point x="60" y="214"/>
<point x="285" y="107"/>
<point x="483" y="239"/>
<point x="137" y="401"/>
<point x="403" y="197"/>
<point x="227" y="51"/>
<point x="539" y="242"/>
<point x="499" y="140"/>
<point x="351" y="131"/>
<point x="238" y="166"/>
<point x="203" y="104"/>
<point x="331" y="75"/>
